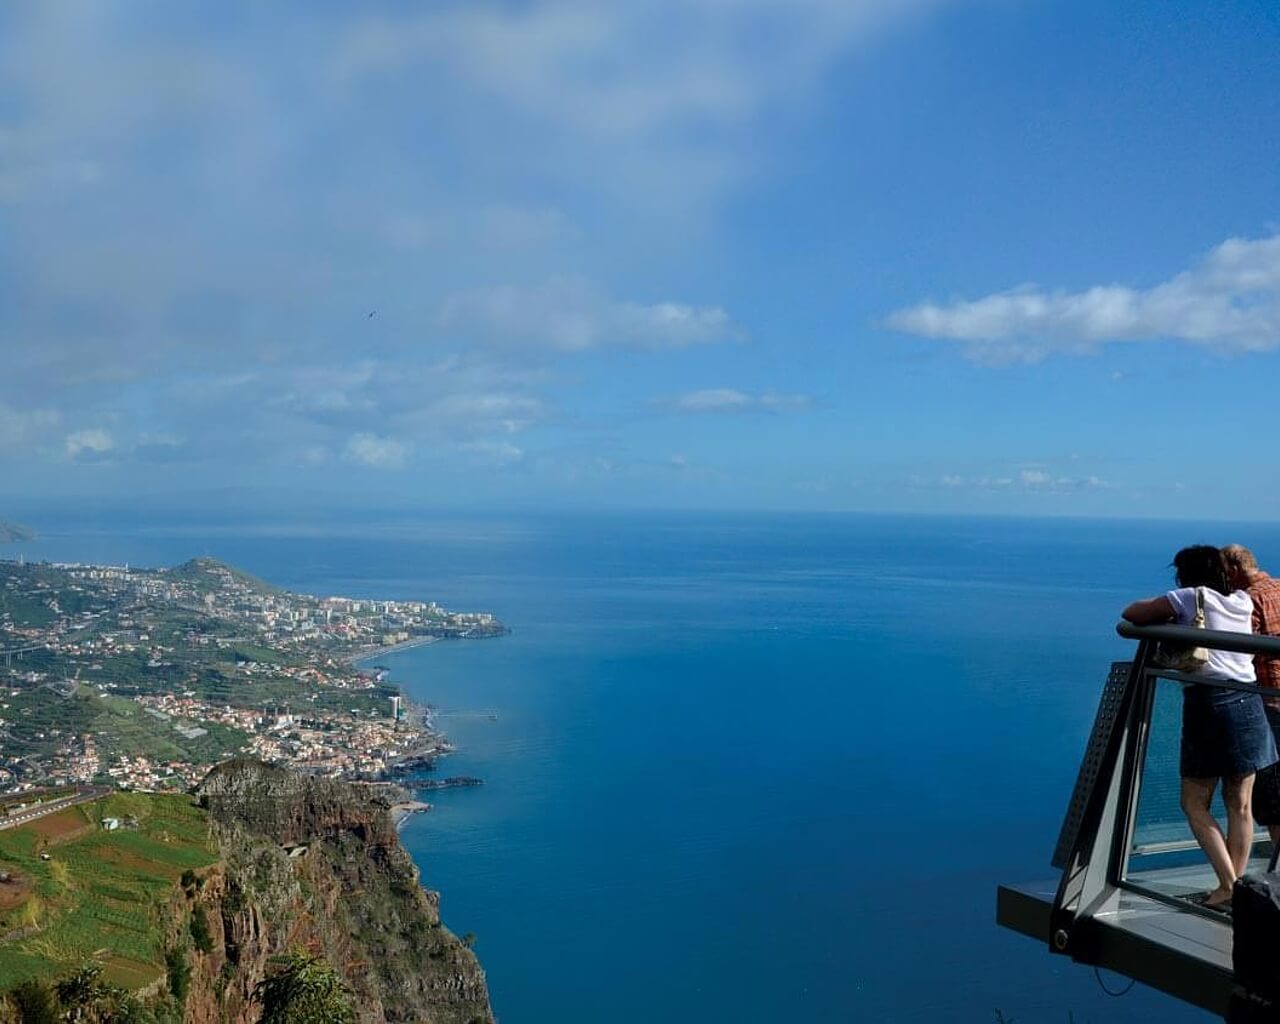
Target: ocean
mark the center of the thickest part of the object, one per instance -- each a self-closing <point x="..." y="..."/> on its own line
<point x="742" y="768"/>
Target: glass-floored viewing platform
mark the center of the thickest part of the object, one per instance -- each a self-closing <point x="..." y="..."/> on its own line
<point x="1130" y="867"/>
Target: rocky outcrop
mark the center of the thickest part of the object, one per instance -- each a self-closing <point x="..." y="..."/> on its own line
<point x="452" y="782"/>
<point x="317" y="864"/>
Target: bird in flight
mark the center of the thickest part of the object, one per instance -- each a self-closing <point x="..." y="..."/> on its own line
<point x="372" y="312"/>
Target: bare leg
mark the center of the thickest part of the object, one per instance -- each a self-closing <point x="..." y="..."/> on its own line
<point x="1197" y="796"/>
<point x="1237" y="795"/>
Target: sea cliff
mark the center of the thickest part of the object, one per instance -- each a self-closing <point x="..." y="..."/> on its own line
<point x="317" y="864"/>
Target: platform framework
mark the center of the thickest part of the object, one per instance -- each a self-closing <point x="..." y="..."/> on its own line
<point x="1130" y="868"/>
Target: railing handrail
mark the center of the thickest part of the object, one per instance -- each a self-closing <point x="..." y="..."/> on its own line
<point x="1242" y="643"/>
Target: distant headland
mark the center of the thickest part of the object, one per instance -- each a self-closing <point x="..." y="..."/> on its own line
<point x="11" y="532"/>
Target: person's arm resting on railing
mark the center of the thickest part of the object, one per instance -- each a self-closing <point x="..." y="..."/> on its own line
<point x="1149" y="611"/>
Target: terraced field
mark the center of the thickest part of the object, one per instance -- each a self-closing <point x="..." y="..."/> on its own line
<point x="99" y="894"/>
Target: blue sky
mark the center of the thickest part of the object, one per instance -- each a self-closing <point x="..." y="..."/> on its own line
<point x="984" y="256"/>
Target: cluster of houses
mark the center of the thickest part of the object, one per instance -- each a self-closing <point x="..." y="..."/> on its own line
<point x="102" y="617"/>
<point x="124" y="602"/>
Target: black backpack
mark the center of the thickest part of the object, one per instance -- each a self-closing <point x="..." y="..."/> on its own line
<point x="1266" y="795"/>
<point x="1255" y="933"/>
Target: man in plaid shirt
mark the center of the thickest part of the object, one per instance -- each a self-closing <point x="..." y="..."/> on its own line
<point x="1243" y="572"/>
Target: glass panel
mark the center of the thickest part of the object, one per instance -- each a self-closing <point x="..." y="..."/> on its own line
<point x="1163" y="854"/>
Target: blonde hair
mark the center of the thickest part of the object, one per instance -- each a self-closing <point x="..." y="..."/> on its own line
<point x="1240" y="558"/>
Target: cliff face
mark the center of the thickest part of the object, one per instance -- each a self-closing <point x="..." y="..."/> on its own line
<point x="317" y="864"/>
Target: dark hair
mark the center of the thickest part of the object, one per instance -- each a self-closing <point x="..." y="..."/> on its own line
<point x="1202" y="565"/>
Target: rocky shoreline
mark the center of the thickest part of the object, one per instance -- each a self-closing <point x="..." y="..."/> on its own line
<point x="394" y="788"/>
<point x="400" y="813"/>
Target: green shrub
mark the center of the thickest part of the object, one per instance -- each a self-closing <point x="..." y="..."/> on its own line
<point x="306" y="990"/>
<point x="179" y="971"/>
<point x="82" y="989"/>
<point x="35" y="1003"/>
<point x="200" y="930"/>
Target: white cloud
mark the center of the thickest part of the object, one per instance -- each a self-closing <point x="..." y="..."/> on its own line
<point x="376" y="452"/>
<point x="371" y="412"/>
<point x="1031" y="479"/>
<point x="569" y="314"/>
<point x="444" y="400"/>
<point x="653" y="100"/>
<point x="531" y="142"/>
<point x="1231" y="299"/>
<point x="410" y="231"/>
<point x="732" y="400"/>
<point x="511" y="226"/>
<point x="711" y="400"/>
<point x="161" y="447"/>
<point x="501" y="452"/>
<point x="775" y="402"/>
<point x="89" y="444"/>
<point x="486" y="411"/>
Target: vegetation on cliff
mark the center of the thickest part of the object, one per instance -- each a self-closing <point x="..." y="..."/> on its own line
<point x="215" y="908"/>
<point x="305" y="990"/>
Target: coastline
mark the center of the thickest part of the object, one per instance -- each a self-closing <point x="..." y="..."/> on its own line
<point x="369" y="653"/>
<point x="402" y="812"/>
<point x="423" y="757"/>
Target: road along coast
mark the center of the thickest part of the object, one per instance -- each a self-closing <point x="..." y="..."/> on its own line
<point x="368" y="654"/>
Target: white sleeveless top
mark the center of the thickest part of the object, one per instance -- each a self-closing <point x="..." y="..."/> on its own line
<point x="1230" y="614"/>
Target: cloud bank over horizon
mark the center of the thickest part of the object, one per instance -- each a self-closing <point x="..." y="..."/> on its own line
<point x="384" y="243"/>
<point x="495" y="252"/>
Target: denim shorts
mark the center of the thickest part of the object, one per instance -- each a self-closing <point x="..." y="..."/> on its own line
<point x="1224" y="736"/>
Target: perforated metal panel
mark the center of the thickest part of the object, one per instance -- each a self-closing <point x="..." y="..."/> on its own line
<point x="1103" y="725"/>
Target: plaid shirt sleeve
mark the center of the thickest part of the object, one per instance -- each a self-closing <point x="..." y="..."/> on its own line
<point x="1266" y="622"/>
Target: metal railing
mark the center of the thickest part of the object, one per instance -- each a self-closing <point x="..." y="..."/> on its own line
<point x="1097" y="849"/>
<point x="1241" y="643"/>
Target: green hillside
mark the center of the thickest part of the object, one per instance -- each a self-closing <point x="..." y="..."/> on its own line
<point x="208" y="574"/>
<point x="98" y="890"/>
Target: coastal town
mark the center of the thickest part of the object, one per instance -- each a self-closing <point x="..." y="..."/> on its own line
<point x="144" y="678"/>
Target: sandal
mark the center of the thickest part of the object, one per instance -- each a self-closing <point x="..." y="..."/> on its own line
<point x="1201" y="899"/>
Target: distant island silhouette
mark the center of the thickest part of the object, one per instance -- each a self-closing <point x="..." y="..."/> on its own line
<point x="10" y="532"/>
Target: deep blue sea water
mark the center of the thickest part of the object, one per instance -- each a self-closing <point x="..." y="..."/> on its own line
<point x="744" y="768"/>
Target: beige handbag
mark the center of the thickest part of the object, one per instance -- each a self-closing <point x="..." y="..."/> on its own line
<point x="1184" y="657"/>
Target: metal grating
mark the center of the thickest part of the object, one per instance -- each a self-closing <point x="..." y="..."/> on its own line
<point x="1103" y="726"/>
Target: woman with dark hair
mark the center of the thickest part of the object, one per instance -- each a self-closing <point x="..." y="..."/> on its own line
<point x="1225" y="734"/>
